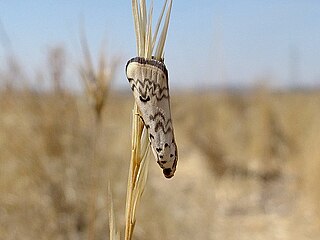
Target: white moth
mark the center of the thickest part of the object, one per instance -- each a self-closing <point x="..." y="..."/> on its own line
<point x="148" y="79"/>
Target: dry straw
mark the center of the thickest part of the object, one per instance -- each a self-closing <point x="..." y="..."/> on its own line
<point x="114" y="233"/>
<point x="97" y="83"/>
<point x="146" y="44"/>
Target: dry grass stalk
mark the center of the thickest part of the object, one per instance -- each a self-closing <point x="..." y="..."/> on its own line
<point x="57" y="62"/>
<point x="138" y="171"/>
<point x="14" y="77"/>
<point x="114" y="233"/>
<point x="97" y="83"/>
<point x="146" y="42"/>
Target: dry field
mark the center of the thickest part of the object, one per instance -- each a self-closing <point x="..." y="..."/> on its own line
<point x="249" y="167"/>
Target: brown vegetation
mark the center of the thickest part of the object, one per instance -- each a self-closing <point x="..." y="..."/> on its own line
<point x="248" y="167"/>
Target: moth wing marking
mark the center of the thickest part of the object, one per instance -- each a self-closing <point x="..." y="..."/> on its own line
<point x="149" y="82"/>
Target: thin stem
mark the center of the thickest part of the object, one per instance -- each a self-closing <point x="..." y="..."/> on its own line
<point x="162" y="40"/>
<point x="158" y="24"/>
<point x="93" y="178"/>
<point x="137" y="127"/>
<point x="138" y="170"/>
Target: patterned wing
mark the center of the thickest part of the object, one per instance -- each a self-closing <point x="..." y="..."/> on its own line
<point x="148" y="79"/>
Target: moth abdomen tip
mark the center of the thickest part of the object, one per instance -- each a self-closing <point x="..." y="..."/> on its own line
<point x="168" y="173"/>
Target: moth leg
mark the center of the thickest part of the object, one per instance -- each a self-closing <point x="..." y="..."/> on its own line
<point x="146" y="125"/>
<point x="141" y="118"/>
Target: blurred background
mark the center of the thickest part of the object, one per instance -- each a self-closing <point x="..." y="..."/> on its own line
<point x="244" y="82"/>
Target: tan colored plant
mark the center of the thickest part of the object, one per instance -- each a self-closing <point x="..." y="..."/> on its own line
<point x="57" y="62"/>
<point x="97" y="84"/>
<point x="146" y="43"/>
<point x="114" y="233"/>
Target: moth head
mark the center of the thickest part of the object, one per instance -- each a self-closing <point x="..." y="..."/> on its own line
<point x="167" y="158"/>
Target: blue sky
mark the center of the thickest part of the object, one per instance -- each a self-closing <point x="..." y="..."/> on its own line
<point x="210" y="43"/>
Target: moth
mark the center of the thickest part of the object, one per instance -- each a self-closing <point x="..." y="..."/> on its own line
<point x="148" y="79"/>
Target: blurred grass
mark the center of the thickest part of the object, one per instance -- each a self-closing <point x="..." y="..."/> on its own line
<point x="249" y="167"/>
<point x="249" y="163"/>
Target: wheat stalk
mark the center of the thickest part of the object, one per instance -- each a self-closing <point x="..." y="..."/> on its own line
<point x="138" y="171"/>
<point x="114" y="233"/>
<point x="146" y="43"/>
<point x="97" y="83"/>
